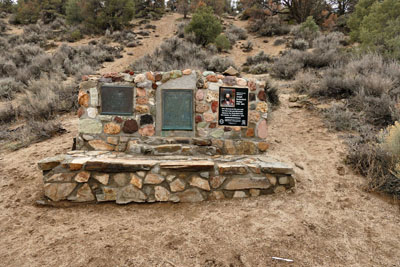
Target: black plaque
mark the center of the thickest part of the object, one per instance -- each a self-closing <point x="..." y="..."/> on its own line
<point x="116" y="100"/>
<point x="177" y="110"/>
<point x="233" y="106"/>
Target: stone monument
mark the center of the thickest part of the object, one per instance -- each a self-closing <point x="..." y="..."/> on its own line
<point x="179" y="136"/>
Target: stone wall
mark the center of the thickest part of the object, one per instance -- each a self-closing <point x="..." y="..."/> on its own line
<point x="140" y="132"/>
<point x="96" y="176"/>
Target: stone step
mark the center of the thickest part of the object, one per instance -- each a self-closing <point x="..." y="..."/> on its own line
<point x="83" y="176"/>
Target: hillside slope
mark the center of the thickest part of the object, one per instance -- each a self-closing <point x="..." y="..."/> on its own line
<point x="328" y="220"/>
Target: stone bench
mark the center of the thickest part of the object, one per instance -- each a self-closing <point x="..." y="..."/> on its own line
<point x="90" y="176"/>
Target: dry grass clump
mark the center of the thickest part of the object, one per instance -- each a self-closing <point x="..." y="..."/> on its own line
<point x="257" y="64"/>
<point x="287" y="66"/>
<point x="235" y="33"/>
<point x="9" y="87"/>
<point x="175" y="53"/>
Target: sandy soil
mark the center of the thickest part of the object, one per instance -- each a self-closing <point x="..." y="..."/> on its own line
<point x="328" y="220"/>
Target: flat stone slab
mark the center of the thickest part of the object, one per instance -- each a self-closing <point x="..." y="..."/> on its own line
<point x="119" y="164"/>
<point x="188" y="165"/>
<point x="276" y="167"/>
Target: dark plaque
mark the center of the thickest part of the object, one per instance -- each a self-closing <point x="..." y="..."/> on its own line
<point x="233" y="106"/>
<point x="177" y="109"/>
<point x="116" y="100"/>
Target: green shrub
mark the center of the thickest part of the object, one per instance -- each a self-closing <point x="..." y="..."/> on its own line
<point x="205" y="26"/>
<point x="362" y="10"/>
<point x="379" y="30"/>
<point x="222" y="43"/>
<point x="74" y="36"/>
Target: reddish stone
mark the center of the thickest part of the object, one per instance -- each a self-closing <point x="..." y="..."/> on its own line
<point x="147" y="130"/>
<point x="150" y="77"/>
<point x="112" y="128"/>
<point x="214" y="106"/>
<point x="131" y="73"/>
<point x="85" y="78"/>
<point x="220" y="76"/>
<point x="142" y="100"/>
<point x="227" y="129"/>
<point x="262" y="129"/>
<point x="140" y="92"/>
<point x="158" y="77"/>
<point x="262" y="96"/>
<point x="83" y="98"/>
<point x="252" y="86"/>
<point x="263" y="146"/>
<point x="130" y="127"/>
<point x="250" y="132"/>
<point x="80" y="112"/>
<point x="154" y="86"/>
<point x="212" y="78"/>
<point x="198" y="118"/>
<point x="252" y="97"/>
<point x="213" y="125"/>
<point x="118" y="119"/>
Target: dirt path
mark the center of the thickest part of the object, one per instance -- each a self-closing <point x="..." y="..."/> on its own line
<point x="328" y="221"/>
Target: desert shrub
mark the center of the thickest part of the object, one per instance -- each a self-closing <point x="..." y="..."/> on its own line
<point x="212" y="48"/>
<point x="288" y="65"/>
<point x="340" y="118"/>
<point x="300" y="44"/>
<point x="45" y="98"/>
<point x="306" y="82"/>
<point x="7" y="113"/>
<point x="279" y="41"/>
<point x="9" y="87"/>
<point x="180" y="30"/>
<point x="271" y="89"/>
<point x="74" y="36"/>
<point x="235" y="33"/>
<point x="273" y="26"/>
<point x="204" y="25"/>
<point x="218" y="63"/>
<point x="368" y="156"/>
<point x="330" y="41"/>
<point x="260" y="57"/>
<point x="247" y="46"/>
<point x="259" y="68"/>
<point x="31" y="132"/>
<point x="222" y="43"/>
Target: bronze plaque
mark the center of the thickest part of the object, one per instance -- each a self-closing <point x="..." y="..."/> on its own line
<point x="116" y="100"/>
<point x="177" y="111"/>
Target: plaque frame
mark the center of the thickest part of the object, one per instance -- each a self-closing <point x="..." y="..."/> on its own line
<point x="190" y="119"/>
<point x="129" y="104"/>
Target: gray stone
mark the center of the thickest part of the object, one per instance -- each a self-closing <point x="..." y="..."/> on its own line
<point x="101" y="177"/>
<point x="205" y="175"/>
<point x="108" y="194"/>
<point x="161" y="193"/>
<point x="94" y="97"/>
<point x="283" y="180"/>
<point x="121" y="179"/>
<point x="170" y="177"/>
<point x="130" y="194"/>
<point x="146" y="84"/>
<point x="105" y="117"/>
<point x="152" y="178"/>
<point x="87" y="85"/>
<point x="60" y="177"/>
<point x="217" y="181"/>
<point x="90" y="126"/>
<point x="239" y="194"/>
<point x="141" y="174"/>
<point x="217" y="133"/>
<point x="84" y="194"/>
<point x="214" y="86"/>
<point x="58" y="191"/>
<point x="87" y="137"/>
<point x="248" y="183"/>
<point x="198" y="182"/>
<point x="276" y="167"/>
<point x="92" y="112"/>
<point x="156" y="169"/>
<point x="206" y="73"/>
<point x="186" y="82"/>
<point x="190" y="195"/>
<point x="177" y="186"/>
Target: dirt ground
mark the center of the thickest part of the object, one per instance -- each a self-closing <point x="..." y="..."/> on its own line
<point x="328" y="220"/>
